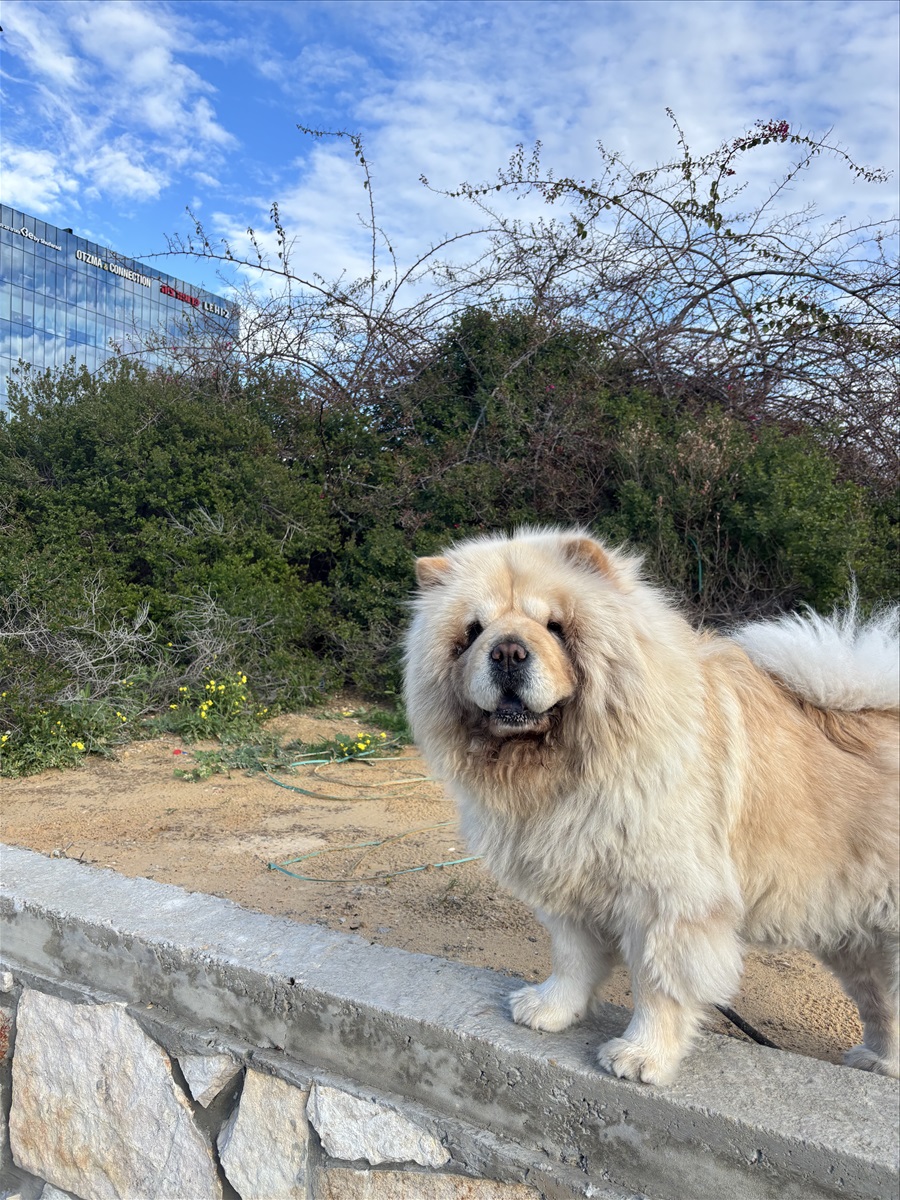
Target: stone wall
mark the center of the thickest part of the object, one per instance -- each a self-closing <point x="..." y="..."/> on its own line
<point x="100" y="1109"/>
<point x="161" y="1044"/>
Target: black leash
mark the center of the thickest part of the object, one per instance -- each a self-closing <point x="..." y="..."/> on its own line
<point x="746" y="1027"/>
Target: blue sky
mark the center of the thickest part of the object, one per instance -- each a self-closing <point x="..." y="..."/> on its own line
<point x="119" y="113"/>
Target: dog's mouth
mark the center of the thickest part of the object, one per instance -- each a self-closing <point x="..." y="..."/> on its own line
<point x="512" y="716"/>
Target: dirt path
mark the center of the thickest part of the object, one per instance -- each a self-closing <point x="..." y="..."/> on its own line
<point x="219" y="835"/>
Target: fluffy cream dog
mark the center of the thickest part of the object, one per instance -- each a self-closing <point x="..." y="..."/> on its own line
<point x="660" y="795"/>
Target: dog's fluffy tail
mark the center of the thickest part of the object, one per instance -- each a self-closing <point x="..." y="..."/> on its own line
<point x="841" y="662"/>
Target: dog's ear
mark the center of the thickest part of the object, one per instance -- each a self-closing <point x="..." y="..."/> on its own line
<point x="620" y="570"/>
<point x="430" y="571"/>
<point x="587" y="553"/>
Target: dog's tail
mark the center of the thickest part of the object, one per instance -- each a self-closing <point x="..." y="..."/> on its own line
<point x="841" y="662"/>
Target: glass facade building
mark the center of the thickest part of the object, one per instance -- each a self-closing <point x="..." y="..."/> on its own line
<point x="63" y="296"/>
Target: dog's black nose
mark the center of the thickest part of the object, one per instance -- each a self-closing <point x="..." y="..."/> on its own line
<point x="509" y="657"/>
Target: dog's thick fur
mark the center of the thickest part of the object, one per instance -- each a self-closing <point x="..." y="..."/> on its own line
<point x="660" y="795"/>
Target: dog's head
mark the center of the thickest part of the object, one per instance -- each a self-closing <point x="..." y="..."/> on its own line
<point x="513" y="666"/>
<point x="499" y="632"/>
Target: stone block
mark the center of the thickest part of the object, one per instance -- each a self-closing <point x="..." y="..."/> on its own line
<point x="264" y="1145"/>
<point x="354" y="1129"/>
<point x="95" y="1109"/>
<point x="207" y="1074"/>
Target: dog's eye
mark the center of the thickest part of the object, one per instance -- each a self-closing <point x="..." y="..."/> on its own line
<point x="555" y="628"/>
<point x="472" y="632"/>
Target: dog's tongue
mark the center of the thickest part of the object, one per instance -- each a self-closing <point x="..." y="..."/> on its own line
<point x="510" y="706"/>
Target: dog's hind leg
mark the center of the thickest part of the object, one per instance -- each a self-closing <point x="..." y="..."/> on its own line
<point x="580" y="964"/>
<point x="870" y="975"/>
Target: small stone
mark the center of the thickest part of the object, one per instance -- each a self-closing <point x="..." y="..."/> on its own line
<point x="6" y="981"/>
<point x="207" y="1074"/>
<point x="6" y="1023"/>
<point x="264" y="1145"/>
<point x="354" y="1129"/>
<point x="52" y="1193"/>
<point x="339" y="1183"/>
<point x="95" y="1109"/>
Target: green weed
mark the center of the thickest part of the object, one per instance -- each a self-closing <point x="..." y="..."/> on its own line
<point x="224" y="708"/>
<point x="269" y="754"/>
<point x="59" y="734"/>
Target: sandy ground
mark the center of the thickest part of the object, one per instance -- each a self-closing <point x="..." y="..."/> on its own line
<point x="220" y="834"/>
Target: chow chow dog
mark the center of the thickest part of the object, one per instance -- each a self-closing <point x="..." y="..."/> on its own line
<point x="660" y="795"/>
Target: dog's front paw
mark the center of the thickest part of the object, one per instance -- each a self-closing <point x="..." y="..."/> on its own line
<point x="629" y="1060"/>
<point x="542" y="1007"/>
<point x="865" y="1059"/>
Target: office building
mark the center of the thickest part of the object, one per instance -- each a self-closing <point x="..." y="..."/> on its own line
<point x="63" y="296"/>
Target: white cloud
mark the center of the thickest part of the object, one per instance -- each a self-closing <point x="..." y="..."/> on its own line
<point x="35" y="37"/>
<point x="572" y="74"/>
<point x="118" y="171"/>
<point x="33" y="180"/>
<point x="136" y="44"/>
